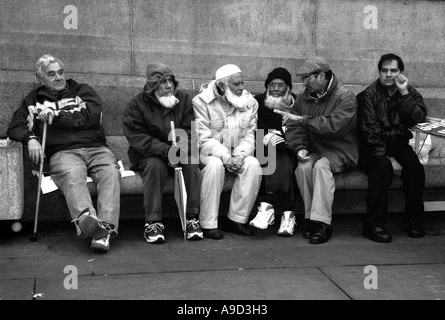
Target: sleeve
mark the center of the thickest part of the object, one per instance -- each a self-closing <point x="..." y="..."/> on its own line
<point x="412" y="108"/>
<point x="21" y="127"/>
<point x="338" y="123"/>
<point x="296" y="135"/>
<point x="207" y="144"/>
<point x="370" y="127"/>
<point x="246" y="145"/>
<point x="136" y="132"/>
<point x="83" y="112"/>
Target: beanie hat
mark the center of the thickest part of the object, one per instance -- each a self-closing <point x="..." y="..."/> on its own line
<point x="226" y="71"/>
<point x="314" y="65"/>
<point x="156" y="73"/>
<point x="279" y="73"/>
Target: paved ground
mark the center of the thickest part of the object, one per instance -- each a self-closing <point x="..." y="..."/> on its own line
<point x="263" y="267"/>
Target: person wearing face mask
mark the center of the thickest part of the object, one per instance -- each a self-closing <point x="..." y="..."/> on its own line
<point x="279" y="188"/>
<point x="226" y="116"/>
<point x="146" y="122"/>
<point x="387" y="108"/>
<point x="322" y="132"/>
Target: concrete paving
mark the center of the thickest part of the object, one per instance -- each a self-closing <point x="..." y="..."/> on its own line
<point x="263" y="267"/>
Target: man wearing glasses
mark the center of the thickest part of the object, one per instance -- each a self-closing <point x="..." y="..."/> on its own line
<point x="322" y="131"/>
<point x="279" y="188"/>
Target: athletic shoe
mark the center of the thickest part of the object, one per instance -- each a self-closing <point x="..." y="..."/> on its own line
<point x="265" y="216"/>
<point x="101" y="244"/>
<point x="194" y="231"/>
<point x="91" y="226"/>
<point x="288" y="224"/>
<point x="154" y="232"/>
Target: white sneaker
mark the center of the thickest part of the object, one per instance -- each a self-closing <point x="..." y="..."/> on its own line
<point x="265" y="216"/>
<point x="101" y="244"/>
<point x="288" y="224"/>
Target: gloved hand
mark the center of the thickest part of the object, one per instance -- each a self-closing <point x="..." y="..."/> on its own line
<point x="273" y="137"/>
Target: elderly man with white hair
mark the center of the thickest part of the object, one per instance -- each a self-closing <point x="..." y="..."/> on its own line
<point x="226" y="116"/>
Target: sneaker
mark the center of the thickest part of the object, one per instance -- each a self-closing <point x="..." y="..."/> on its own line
<point x="154" y="232"/>
<point x="91" y="226"/>
<point x="265" y="216"/>
<point x="102" y="245"/>
<point x="194" y="231"/>
<point x="287" y="225"/>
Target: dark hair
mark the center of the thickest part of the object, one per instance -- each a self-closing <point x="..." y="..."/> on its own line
<point x="328" y="75"/>
<point x="390" y="57"/>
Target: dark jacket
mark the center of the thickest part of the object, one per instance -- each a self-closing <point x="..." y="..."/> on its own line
<point x="329" y="126"/>
<point x="76" y="124"/>
<point x="384" y="120"/>
<point x="269" y="120"/>
<point x="147" y="125"/>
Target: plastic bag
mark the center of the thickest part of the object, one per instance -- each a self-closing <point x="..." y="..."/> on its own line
<point x="425" y="146"/>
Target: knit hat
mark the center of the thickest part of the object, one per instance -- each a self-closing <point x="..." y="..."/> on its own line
<point x="279" y="73"/>
<point x="156" y="73"/>
<point x="226" y="71"/>
<point x="314" y="65"/>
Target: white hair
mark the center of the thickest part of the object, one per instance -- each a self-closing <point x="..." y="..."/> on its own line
<point x="45" y="60"/>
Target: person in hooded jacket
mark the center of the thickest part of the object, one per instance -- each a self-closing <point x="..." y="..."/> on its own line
<point x="75" y="148"/>
<point x="146" y="123"/>
<point x="322" y="131"/>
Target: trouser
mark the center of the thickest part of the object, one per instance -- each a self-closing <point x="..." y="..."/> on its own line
<point x="317" y="186"/>
<point x="280" y="187"/>
<point x="154" y="172"/>
<point x="380" y="175"/>
<point x="69" y="171"/>
<point x="242" y="198"/>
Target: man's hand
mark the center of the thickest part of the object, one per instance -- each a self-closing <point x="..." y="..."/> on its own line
<point x="288" y="116"/>
<point x="302" y="155"/>
<point x="46" y="115"/>
<point x="235" y="164"/>
<point x="35" y="151"/>
<point x="402" y="84"/>
<point x="396" y="167"/>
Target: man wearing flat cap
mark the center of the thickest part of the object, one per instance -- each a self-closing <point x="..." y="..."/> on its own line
<point x="147" y="120"/>
<point x="322" y="131"/>
<point x="279" y="188"/>
<point x="226" y="116"/>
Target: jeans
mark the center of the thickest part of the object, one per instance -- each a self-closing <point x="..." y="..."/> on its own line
<point x="69" y="171"/>
<point x="380" y="174"/>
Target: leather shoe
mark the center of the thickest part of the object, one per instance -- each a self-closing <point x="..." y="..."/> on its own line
<point x="321" y="234"/>
<point x="415" y="231"/>
<point x="215" y="234"/>
<point x="238" y="228"/>
<point x="309" y="229"/>
<point x="377" y="234"/>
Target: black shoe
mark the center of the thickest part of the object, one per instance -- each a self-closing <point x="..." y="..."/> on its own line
<point x="309" y="229"/>
<point x="321" y="234"/>
<point x="238" y="228"/>
<point x="415" y="231"/>
<point x="214" y="234"/>
<point x="377" y="234"/>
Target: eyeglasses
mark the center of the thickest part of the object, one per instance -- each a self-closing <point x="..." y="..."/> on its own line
<point x="307" y="77"/>
<point x="280" y="86"/>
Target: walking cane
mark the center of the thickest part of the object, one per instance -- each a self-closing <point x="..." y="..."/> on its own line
<point x="42" y="159"/>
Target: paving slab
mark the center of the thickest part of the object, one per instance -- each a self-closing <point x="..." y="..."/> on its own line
<point x="16" y="289"/>
<point x="394" y="282"/>
<point x="264" y="284"/>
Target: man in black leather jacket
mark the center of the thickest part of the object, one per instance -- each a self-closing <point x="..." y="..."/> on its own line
<point x="387" y="108"/>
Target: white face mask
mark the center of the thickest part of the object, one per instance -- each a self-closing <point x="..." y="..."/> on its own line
<point x="168" y="101"/>
<point x="239" y="102"/>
